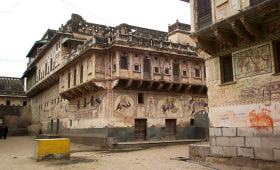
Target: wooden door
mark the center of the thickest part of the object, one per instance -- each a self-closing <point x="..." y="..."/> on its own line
<point x="176" y="72"/>
<point x="147" y="68"/>
<point x="57" y="126"/>
<point x="51" y="126"/>
<point x="170" y="129"/>
<point x="140" y="129"/>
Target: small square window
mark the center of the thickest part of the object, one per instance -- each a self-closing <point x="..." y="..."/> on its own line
<point x="8" y="102"/>
<point x="136" y="67"/>
<point x="184" y="72"/>
<point x="114" y="67"/>
<point x="192" y="122"/>
<point x="156" y="70"/>
<point x="91" y="101"/>
<point x="140" y="98"/>
<point x="25" y="103"/>
<point x="197" y="73"/>
<point x="226" y="69"/>
<point x="166" y="70"/>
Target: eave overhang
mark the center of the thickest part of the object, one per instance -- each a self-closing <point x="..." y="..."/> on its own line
<point x="43" y="85"/>
<point x="246" y="25"/>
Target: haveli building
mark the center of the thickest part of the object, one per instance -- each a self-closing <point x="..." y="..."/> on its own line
<point x="123" y="83"/>
<point x="15" y="110"/>
<point x="240" y="41"/>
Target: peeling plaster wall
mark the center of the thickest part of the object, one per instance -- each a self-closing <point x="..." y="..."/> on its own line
<point x="118" y="110"/>
<point x="245" y="113"/>
<point x="256" y="91"/>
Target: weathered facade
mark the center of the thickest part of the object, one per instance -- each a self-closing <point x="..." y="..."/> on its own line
<point x="241" y="39"/>
<point x="126" y="83"/>
<point x="15" y="111"/>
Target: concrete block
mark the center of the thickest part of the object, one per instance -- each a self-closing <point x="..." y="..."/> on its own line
<point x="245" y="152"/>
<point x="264" y="132"/>
<point x="271" y="142"/>
<point x="276" y="131"/>
<point x="229" y="131"/>
<point x="222" y="141"/>
<point x="213" y="141"/>
<point x="236" y="141"/>
<point x="253" y="142"/>
<point x="247" y="132"/>
<point x="223" y="151"/>
<point x="199" y="152"/>
<point x="216" y="150"/>
<point x="263" y="153"/>
<point x="276" y="154"/>
<point x="57" y="148"/>
<point x="215" y="131"/>
<point x="230" y="151"/>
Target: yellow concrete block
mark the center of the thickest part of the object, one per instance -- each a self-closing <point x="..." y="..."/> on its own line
<point x="57" y="148"/>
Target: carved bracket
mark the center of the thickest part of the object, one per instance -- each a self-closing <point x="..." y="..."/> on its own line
<point x="240" y="31"/>
<point x="209" y="46"/>
<point x="225" y="38"/>
<point x="252" y="28"/>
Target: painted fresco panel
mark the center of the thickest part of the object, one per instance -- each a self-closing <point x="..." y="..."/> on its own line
<point x="197" y="105"/>
<point x="151" y="106"/>
<point x="99" y="64"/>
<point x="124" y="106"/>
<point x="222" y="12"/>
<point x="169" y="106"/>
<point x="258" y="116"/>
<point x="235" y="6"/>
<point x="252" y="62"/>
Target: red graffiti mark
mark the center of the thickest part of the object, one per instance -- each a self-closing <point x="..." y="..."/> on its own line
<point x="261" y="120"/>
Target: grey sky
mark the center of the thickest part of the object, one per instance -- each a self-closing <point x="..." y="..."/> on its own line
<point x="25" y="21"/>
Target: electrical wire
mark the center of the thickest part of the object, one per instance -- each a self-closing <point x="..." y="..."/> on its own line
<point x="74" y="6"/>
<point x="2" y="59"/>
<point x="13" y="7"/>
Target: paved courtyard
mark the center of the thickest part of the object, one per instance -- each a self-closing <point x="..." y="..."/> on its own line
<point x="18" y="153"/>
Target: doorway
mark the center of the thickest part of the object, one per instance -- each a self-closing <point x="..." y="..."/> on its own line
<point x="147" y="68"/>
<point x="176" y="72"/>
<point x="140" y="129"/>
<point x="57" y="126"/>
<point x="170" y="129"/>
<point x="51" y="126"/>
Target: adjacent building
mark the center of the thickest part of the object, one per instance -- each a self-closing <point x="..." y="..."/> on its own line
<point x="240" y="41"/>
<point x="15" y="111"/>
<point x="125" y="83"/>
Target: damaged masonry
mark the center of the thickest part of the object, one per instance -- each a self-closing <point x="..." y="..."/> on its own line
<point x="240" y="43"/>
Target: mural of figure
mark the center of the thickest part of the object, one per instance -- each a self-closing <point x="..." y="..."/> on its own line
<point x="169" y="105"/>
<point x="151" y="106"/>
<point x="197" y="106"/>
<point x="123" y="104"/>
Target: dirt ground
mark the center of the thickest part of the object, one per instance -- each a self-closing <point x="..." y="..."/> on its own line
<point x="17" y="153"/>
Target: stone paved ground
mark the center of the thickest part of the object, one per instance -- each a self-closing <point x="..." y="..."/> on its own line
<point x="17" y="153"/>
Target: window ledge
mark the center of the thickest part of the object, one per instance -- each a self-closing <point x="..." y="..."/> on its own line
<point x="228" y="83"/>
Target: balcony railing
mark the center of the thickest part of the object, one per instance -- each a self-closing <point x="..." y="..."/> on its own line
<point x="136" y="41"/>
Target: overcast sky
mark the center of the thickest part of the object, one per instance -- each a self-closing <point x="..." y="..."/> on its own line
<point x="25" y="21"/>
